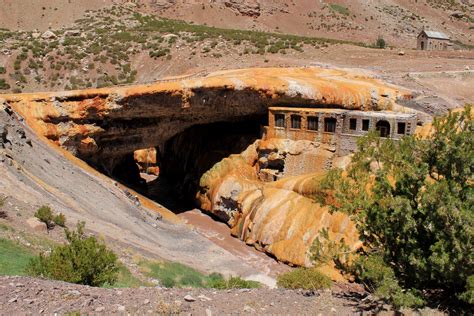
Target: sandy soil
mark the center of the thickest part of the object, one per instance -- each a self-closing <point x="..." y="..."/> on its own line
<point x="219" y="233"/>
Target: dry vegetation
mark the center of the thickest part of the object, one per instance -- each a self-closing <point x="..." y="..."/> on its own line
<point x="98" y="50"/>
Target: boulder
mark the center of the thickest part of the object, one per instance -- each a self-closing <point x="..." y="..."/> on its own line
<point x="48" y="35"/>
<point x="247" y="8"/>
<point x="457" y="14"/>
<point x="36" y="224"/>
<point x="70" y="33"/>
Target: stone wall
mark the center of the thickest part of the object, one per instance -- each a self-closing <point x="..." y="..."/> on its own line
<point x="343" y="139"/>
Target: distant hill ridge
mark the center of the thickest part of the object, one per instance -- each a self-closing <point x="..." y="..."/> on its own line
<point x="398" y="21"/>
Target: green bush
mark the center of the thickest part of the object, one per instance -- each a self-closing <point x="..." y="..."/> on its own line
<point x="418" y="215"/>
<point x="60" y="220"/>
<point x="45" y="214"/>
<point x="340" y="9"/>
<point x="2" y="70"/>
<point x="83" y="260"/>
<point x="304" y="278"/>
<point x="217" y="281"/>
<point x="4" y="85"/>
<point x="380" y="279"/>
<point x="380" y="43"/>
<point x="2" y="200"/>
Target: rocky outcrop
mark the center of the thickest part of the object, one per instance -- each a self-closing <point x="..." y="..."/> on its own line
<point x="146" y="159"/>
<point x="278" y="217"/>
<point x="103" y="125"/>
<point x="247" y="8"/>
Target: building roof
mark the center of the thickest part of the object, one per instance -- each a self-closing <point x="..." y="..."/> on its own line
<point x="377" y="114"/>
<point x="307" y="109"/>
<point x="434" y="34"/>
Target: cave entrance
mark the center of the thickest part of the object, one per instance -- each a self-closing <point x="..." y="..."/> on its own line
<point x="170" y="173"/>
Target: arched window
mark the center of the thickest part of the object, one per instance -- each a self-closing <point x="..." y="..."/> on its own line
<point x="383" y="127"/>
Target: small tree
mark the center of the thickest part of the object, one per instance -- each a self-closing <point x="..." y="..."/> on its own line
<point x="45" y="214"/>
<point x="380" y="43"/>
<point x="413" y="204"/>
<point x="60" y="220"/>
<point x="83" y="260"/>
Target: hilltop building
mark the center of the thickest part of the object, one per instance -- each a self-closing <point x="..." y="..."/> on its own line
<point x="431" y="40"/>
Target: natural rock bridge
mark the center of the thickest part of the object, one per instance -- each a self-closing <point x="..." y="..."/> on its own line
<point x="105" y="126"/>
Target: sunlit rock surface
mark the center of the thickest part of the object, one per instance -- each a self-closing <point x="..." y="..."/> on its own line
<point x="278" y="217"/>
<point x="106" y="126"/>
<point x="146" y="159"/>
<point x="103" y="125"/>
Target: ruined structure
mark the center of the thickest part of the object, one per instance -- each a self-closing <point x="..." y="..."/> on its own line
<point x="431" y="40"/>
<point x="336" y="127"/>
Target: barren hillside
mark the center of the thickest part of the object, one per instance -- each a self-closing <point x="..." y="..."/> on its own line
<point x="118" y="45"/>
<point x="398" y="21"/>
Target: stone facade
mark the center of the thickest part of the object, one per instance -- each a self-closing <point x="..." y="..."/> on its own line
<point x="336" y="128"/>
<point x="428" y="40"/>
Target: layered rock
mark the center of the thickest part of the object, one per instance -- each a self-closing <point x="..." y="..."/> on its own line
<point x="103" y="125"/>
<point x="248" y="8"/>
<point x="277" y="217"/>
<point x="146" y="159"/>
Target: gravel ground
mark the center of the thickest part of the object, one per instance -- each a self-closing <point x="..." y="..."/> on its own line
<point x="26" y="295"/>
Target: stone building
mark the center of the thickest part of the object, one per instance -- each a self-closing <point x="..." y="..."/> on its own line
<point x="337" y="127"/>
<point x="430" y="40"/>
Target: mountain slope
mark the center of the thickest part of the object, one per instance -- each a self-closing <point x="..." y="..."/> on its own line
<point x="398" y="21"/>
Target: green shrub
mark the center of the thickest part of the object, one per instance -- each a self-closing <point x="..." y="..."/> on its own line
<point x="304" y="278"/>
<point x="60" y="220"/>
<point x="340" y="9"/>
<point x="468" y="294"/>
<point x="380" y="43"/>
<point x="4" y="85"/>
<point x="2" y="200"/>
<point x="159" y="53"/>
<point x="83" y="260"/>
<point x="45" y="214"/>
<point x="418" y="216"/>
<point x="380" y="279"/>
<point x="2" y="70"/>
<point x="217" y="281"/>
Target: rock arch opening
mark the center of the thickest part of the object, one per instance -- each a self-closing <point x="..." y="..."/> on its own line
<point x="185" y="157"/>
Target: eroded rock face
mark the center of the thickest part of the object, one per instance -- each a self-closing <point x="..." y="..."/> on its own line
<point x="276" y="217"/>
<point x="103" y="125"/>
<point x="249" y="8"/>
<point x="146" y="159"/>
